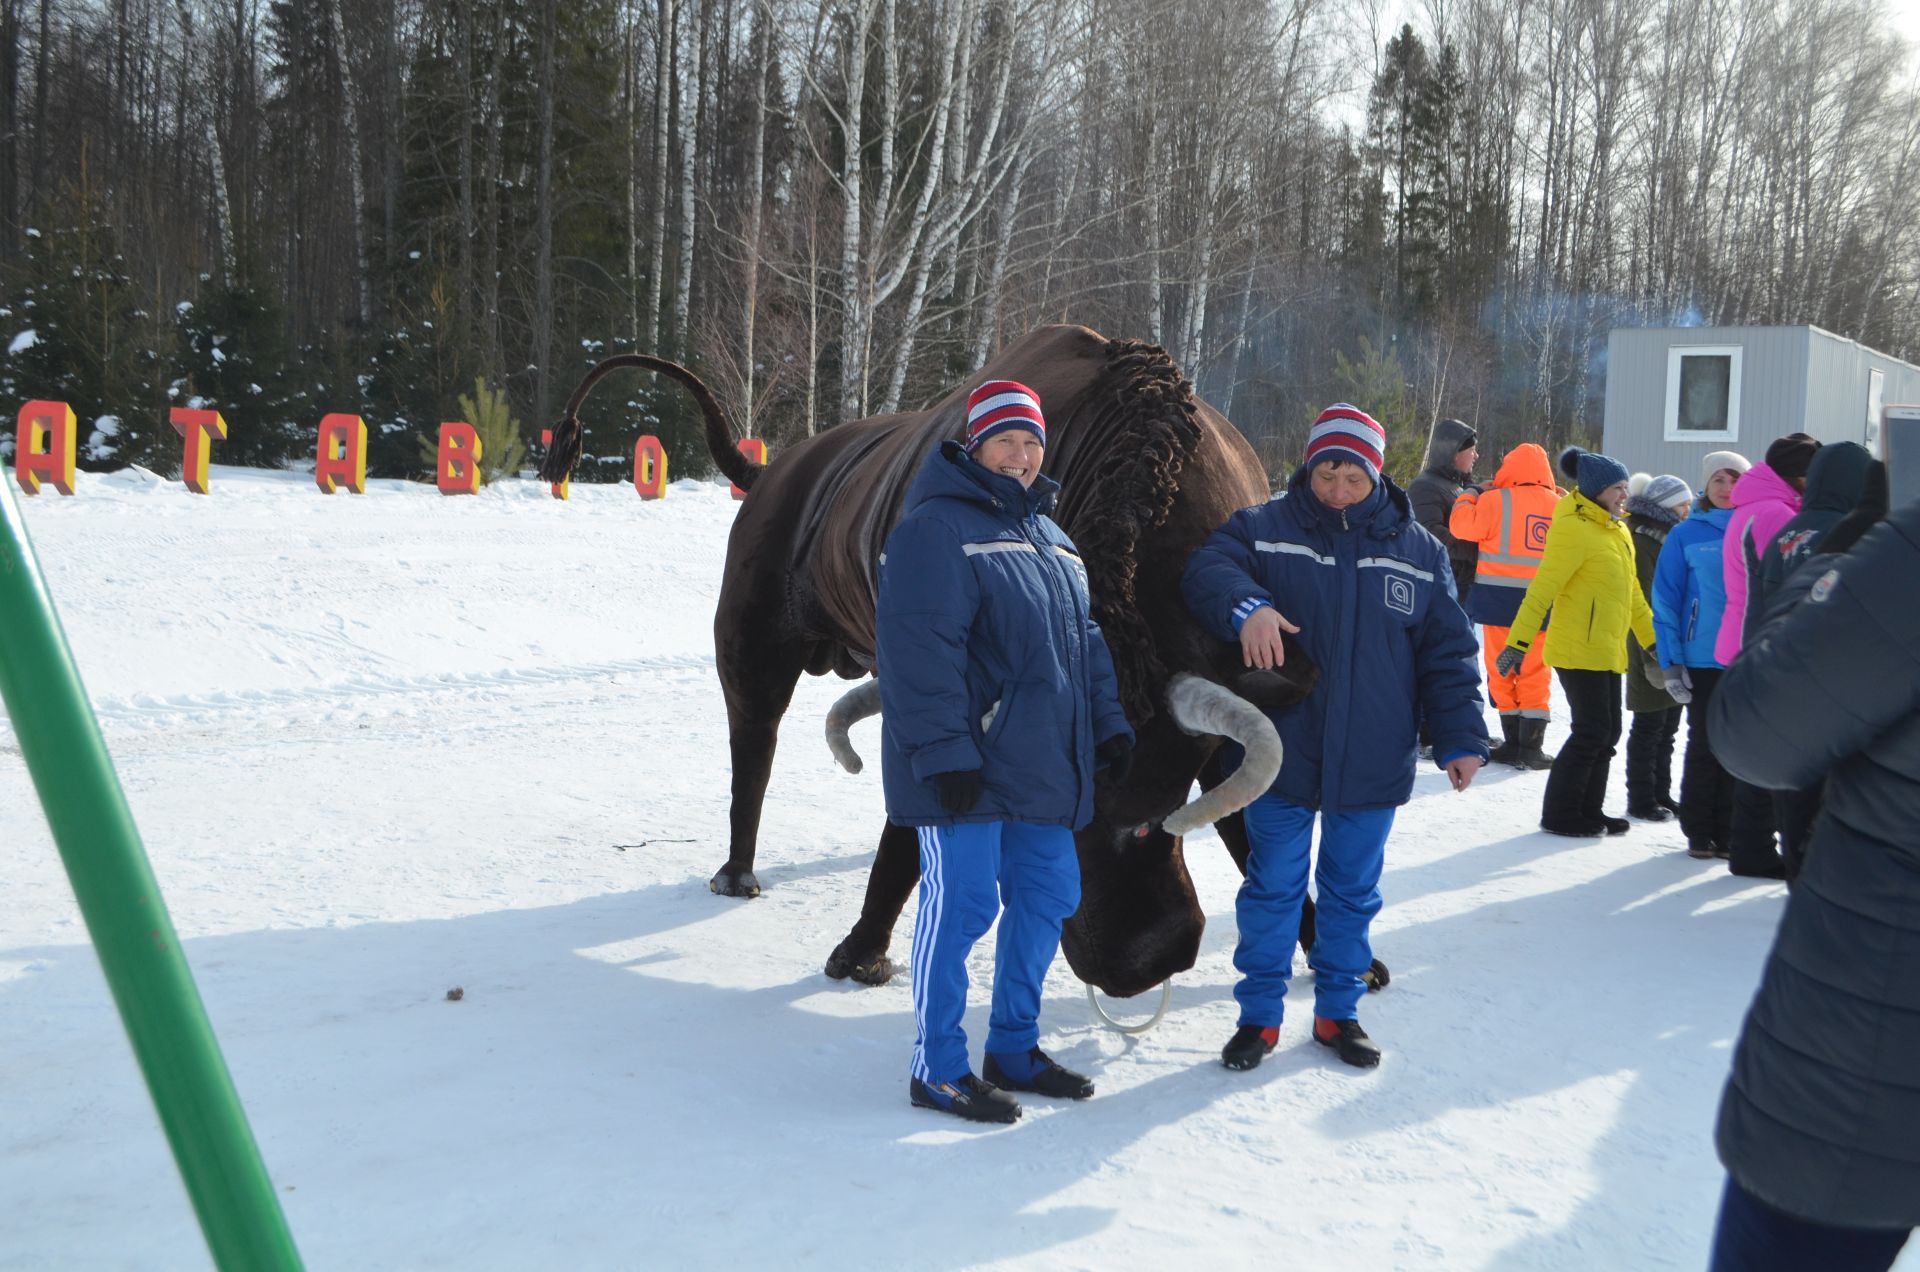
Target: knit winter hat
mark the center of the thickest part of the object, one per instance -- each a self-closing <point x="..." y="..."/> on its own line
<point x="1590" y="471"/>
<point x="1666" y="490"/>
<point x="1349" y="433"/>
<point x="1790" y="455"/>
<point x="1714" y="461"/>
<point x="999" y="405"/>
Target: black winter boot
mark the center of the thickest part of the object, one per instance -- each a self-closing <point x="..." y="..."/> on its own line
<point x="1532" y="734"/>
<point x="1508" y="752"/>
<point x="1249" y="1045"/>
<point x="1044" y="1076"/>
<point x="968" y="1098"/>
<point x="1347" y="1039"/>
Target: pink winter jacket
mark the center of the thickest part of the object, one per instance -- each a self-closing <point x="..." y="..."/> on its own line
<point x="1762" y="503"/>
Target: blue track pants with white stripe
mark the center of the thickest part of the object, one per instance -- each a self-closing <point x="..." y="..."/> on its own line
<point x="966" y="873"/>
<point x="1346" y="897"/>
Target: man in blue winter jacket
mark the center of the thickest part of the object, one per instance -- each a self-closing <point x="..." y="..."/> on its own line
<point x="998" y="705"/>
<point x="1370" y="594"/>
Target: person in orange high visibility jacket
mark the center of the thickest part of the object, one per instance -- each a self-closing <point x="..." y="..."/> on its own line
<point x="1508" y="520"/>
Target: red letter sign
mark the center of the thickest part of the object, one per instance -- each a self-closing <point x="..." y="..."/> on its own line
<point x="559" y="487"/>
<point x="43" y="447"/>
<point x="753" y="448"/>
<point x="650" y="468"/>
<point x="197" y="426"/>
<point x="343" y="454"/>
<point x="459" y="467"/>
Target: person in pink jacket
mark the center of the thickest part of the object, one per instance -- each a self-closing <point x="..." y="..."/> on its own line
<point x="1765" y="499"/>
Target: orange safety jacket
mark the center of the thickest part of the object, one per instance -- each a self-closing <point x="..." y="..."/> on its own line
<point x="1508" y="520"/>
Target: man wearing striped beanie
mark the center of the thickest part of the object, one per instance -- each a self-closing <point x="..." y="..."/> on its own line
<point x="1369" y="596"/>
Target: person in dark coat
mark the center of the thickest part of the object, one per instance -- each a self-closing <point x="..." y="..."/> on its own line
<point x="1689" y="597"/>
<point x="999" y="705"/>
<point x="1370" y="596"/>
<point x="1837" y="481"/>
<point x="1819" y="1127"/>
<point x="1452" y="449"/>
<point x="1655" y="505"/>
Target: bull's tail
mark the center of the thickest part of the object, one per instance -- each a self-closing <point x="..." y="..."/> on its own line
<point x="563" y="452"/>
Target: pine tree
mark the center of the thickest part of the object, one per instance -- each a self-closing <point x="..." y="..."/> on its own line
<point x="1377" y="384"/>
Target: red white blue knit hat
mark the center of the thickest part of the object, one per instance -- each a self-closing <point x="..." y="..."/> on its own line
<point x="1349" y="433"/>
<point x="999" y="405"/>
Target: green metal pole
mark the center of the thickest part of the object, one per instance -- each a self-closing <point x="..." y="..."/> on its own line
<point x="127" y="918"/>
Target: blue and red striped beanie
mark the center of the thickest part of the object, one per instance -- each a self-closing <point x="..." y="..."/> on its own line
<point x="1349" y="433"/>
<point x="999" y="405"/>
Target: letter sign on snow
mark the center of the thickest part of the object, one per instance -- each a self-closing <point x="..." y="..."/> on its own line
<point x="458" y="472"/>
<point x="559" y="487"/>
<point x="650" y="468"/>
<point x="343" y="454"/>
<point x="43" y="447"/>
<point x="198" y="427"/>
<point x="755" y="449"/>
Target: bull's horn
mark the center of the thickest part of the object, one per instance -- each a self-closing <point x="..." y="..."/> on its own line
<point x="1199" y="705"/>
<point x="855" y="704"/>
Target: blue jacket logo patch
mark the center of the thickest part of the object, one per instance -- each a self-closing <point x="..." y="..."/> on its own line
<point x="1824" y="587"/>
<point x="1399" y="594"/>
<point x="1537" y="527"/>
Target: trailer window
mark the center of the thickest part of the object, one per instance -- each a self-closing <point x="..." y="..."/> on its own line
<point x="1703" y="393"/>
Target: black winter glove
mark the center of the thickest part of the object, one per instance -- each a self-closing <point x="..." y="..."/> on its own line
<point x="1509" y="660"/>
<point x="1114" y="758"/>
<point x="959" y="791"/>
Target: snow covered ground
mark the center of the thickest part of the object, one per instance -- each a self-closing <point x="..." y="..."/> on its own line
<point x="383" y="746"/>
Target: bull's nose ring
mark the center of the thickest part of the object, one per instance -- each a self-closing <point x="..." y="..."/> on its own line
<point x="1166" y="996"/>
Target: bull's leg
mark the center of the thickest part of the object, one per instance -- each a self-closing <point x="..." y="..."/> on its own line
<point x="862" y="953"/>
<point x="1233" y="833"/>
<point x="758" y="683"/>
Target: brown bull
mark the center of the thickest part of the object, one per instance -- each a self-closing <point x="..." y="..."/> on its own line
<point x="1147" y="471"/>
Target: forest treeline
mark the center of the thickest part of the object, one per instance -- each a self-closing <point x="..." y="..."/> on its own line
<point x="836" y="208"/>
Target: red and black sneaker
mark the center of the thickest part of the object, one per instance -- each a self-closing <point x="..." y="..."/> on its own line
<point x="1348" y="1040"/>
<point x="1249" y="1045"/>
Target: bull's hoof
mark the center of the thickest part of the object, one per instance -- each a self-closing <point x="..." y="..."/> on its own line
<point x="732" y="882"/>
<point x="1376" y="977"/>
<point x="870" y="969"/>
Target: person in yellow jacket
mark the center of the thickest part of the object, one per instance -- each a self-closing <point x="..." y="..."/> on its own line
<point x="1587" y="578"/>
<point x="1508" y="522"/>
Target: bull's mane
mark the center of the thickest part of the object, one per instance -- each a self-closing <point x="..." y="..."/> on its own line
<point x="1133" y="434"/>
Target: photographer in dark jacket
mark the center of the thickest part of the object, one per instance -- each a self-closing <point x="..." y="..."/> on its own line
<point x="1820" y="1124"/>
<point x="1838" y="481"/>
<point x="1452" y="449"/>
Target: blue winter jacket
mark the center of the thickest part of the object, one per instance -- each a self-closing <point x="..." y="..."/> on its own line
<point x="1690" y="591"/>
<point x="1372" y="593"/>
<point x="988" y="654"/>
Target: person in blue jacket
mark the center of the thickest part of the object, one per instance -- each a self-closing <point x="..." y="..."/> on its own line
<point x="999" y="705"/>
<point x="1689" y="598"/>
<point x="1339" y="561"/>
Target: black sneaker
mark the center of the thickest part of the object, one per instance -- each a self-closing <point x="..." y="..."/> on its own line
<point x="1348" y="1040"/>
<point x="968" y="1097"/>
<point x="1669" y="803"/>
<point x="1701" y="849"/>
<point x="1249" y="1045"/>
<point x="1649" y="812"/>
<point x="1049" y="1078"/>
<point x="1615" y="825"/>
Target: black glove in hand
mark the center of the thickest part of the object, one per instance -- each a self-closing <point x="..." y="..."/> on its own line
<point x="1508" y="663"/>
<point x="959" y="791"/>
<point x="1114" y="758"/>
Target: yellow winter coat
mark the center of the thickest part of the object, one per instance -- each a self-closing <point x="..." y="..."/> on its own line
<point x="1587" y="578"/>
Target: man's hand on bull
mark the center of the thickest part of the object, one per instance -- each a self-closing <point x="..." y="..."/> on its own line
<point x="1113" y="759"/>
<point x="1460" y="771"/>
<point x="1260" y="643"/>
<point x="959" y="791"/>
